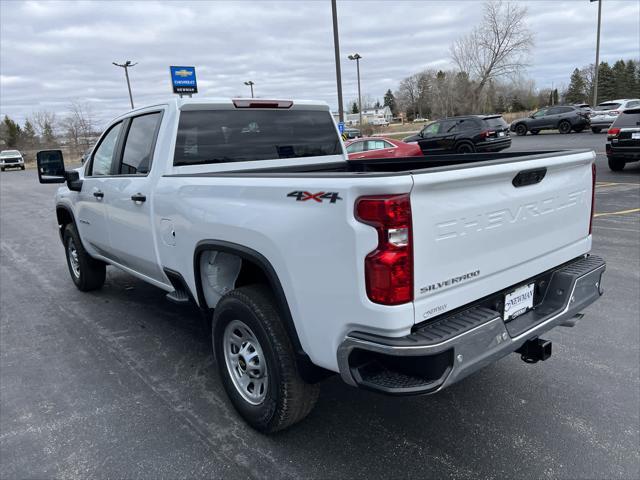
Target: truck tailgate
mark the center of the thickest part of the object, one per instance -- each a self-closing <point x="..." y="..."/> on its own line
<point x="476" y="233"/>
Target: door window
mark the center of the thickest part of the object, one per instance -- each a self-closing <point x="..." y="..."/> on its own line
<point x="447" y="126"/>
<point x="355" y="147"/>
<point x="540" y="113"/>
<point x="138" y="149"/>
<point x="431" y="129"/>
<point x="104" y="155"/>
<point x="376" y="144"/>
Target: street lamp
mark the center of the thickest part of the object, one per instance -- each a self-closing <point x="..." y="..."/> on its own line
<point x="250" y="84"/>
<point x="126" y="66"/>
<point x="336" y="47"/>
<point x="357" y="57"/>
<point x="595" y="75"/>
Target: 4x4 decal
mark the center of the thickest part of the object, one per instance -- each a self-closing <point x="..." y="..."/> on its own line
<point x="301" y="196"/>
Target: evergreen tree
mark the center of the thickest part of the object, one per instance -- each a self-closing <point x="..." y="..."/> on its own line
<point x="619" y="71"/>
<point x="556" y="97"/>
<point x="377" y="105"/>
<point x="632" y="85"/>
<point x="576" y="91"/>
<point x="606" y="83"/>
<point x="390" y="101"/>
<point x="354" y="108"/>
<point x="11" y="132"/>
<point x="550" y="101"/>
<point x="29" y="134"/>
<point x="47" y="134"/>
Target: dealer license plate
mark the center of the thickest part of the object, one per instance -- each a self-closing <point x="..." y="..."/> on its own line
<point x="635" y="135"/>
<point x="518" y="302"/>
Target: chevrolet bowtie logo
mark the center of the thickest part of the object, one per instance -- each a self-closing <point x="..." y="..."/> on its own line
<point x="183" y="73"/>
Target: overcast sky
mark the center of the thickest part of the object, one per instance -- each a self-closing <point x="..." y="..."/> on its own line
<point x="53" y="52"/>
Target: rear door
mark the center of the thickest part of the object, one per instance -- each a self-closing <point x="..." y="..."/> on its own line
<point x="128" y="197"/>
<point x="475" y="233"/>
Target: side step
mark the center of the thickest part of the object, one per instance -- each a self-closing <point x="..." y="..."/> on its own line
<point x="178" y="296"/>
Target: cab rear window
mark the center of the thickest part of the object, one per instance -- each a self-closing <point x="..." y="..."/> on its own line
<point x="221" y="136"/>
<point x="607" y="106"/>
<point x="496" y="122"/>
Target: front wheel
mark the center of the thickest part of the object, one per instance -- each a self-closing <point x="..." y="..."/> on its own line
<point x="564" y="127"/>
<point x="521" y="129"/>
<point x="22" y="167"/>
<point x="616" y="164"/>
<point x="257" y="362"/>
<point x="86" y="272"/>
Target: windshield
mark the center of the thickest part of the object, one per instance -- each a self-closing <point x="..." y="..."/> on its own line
<point x="10" y="153"/>
<point x="220" y="136"/>
<point x="607" y="106"/>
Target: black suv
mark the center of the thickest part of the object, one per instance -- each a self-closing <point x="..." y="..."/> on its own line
<point x="467" y="134"/>
<point x="563" y="118"/>
<point x="623" y="139"/>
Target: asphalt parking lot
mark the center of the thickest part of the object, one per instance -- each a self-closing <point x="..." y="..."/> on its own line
<point x="121" y="383"/>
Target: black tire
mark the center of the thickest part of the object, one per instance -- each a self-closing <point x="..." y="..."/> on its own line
<point x="1" y="169"/>
<point x="615" y="164"/>
<point x="465" y="147"/>
<point x="288" y="399"/>
<point x="22" y="167"/>
<point x="564" y="127"/>
<point x="90" y="273"/>
<point x="535" y="132"/>
<point x="521" y="129"/>
<point x="595" y="129"/>
<point x="578" y="129"/>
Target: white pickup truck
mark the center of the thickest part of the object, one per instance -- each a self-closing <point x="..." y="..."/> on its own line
<point x="401" y="275"/>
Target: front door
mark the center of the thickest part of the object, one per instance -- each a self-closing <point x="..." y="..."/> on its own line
<point x="90" y="209"/>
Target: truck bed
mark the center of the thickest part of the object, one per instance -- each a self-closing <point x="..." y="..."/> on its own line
<point x="387" y="166"/>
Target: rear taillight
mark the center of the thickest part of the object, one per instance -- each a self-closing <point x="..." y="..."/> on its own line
<point x="613" y="132"/>
<point x="389" y="268"/>
<point x="614" y="112"/>
<point x="593" y="195"/>
<point x="487" y="133"/>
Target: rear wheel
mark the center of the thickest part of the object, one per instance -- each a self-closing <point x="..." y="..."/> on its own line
<point x="521" y="129"/>
<point x="256" y="361"/>
<point x="595" y="129"/>
<point x="615" y="164"/>
<point x="535" y="132"/>
<point x="564" y="127"/>
<point x="86" y="272"/>
<point x="465" y="147"/>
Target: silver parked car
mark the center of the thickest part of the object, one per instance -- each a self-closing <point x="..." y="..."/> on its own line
<point x="605" y="113"/>
<point x="11" y="159"/>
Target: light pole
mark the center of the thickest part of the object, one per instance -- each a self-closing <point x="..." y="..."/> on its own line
<point x="357" y="57"/>
<point x="336" y="46"/>
<point x="595" y="75"/>
<point x="126" y="65"/>
<point x="250" y="84"/>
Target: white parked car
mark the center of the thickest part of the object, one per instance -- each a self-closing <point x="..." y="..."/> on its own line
<point x="380" y="122"/>
<point x="401" y="276"/>
<point x="605" y="113"/>
<point x="11" y="159"/>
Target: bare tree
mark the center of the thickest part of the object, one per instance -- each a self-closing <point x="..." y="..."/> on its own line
<point x="45" y="124"/>
<point x="497" y="47"/>
<point x="79" y="125"/>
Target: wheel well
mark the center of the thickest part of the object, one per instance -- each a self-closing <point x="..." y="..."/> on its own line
<point x="64" y="218"/>
<point x="255" y="268"/>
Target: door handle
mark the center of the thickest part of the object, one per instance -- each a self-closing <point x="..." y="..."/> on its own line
<point x="99" y="194"/>
<point x="138" y="197"/>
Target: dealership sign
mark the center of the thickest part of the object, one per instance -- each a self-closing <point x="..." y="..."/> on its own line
<point x="184" y="80"/>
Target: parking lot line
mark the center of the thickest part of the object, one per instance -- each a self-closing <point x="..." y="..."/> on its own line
<point x="612" y="184"/>
<point x="621" y="212"/>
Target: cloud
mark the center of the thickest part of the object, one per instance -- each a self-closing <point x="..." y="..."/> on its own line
<point x="55" y="52"/>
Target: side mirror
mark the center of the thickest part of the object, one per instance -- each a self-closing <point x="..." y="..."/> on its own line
<point x="50" y="166"/>
<point x="51" y="170"/>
